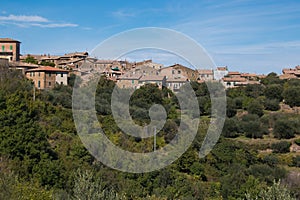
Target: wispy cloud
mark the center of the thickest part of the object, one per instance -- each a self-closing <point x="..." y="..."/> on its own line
<point x="54" y="25"/>
<point x="25" y="21"/>
<point x="123" y="14"/>
<point x="23" y="18"/>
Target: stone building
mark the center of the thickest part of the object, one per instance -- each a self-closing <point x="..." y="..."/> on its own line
<point x="46" y="77"/>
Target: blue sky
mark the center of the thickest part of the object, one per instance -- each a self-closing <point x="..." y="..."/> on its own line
<point x="249" y="36"/>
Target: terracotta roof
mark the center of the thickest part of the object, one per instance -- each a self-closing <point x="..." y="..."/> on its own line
<point x="50" y="58"/>
<point x="144" y="62"/>
<point x="176" y="66"/>
<point x="152" y="78"/>
<point x="297" y="73"/>
<point x="222" y="68"/>
<point x="8" y="40"/>
<point x="76" y="54"/>
<point x="234" y="73"/>
<point x="233" y="79"/>
<point x="248" y="75"/>
<point x="47" y="68"/>
<point x="288" y="71"/>
<point x="70" y="61"/>
<point x="287" y="76"/>
<point x="205" y="71"/>
<point x="104" y="62"/>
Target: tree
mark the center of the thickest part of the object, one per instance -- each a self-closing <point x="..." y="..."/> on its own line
<point x="255" y="107"/>
<point x="252" y="126"/>
<point x="31" y="59"/>
<point x="283" y="129"/>
<point x="271" y="78"/>
<point x="254" y="91"/>
<point x="272" y="104"/>
<point x="46" y="63"/>
<point x="274" y="91"/>
<point x="291" y="95"/>
<point x="230" y="128"/>
<point x="231" y="108"/>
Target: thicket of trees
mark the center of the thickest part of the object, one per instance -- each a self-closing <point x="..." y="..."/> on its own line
<point x="42" y="157"/>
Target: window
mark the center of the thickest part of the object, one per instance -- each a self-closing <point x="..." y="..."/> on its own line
<point x="132" y="81"/>
<point x="3" y="47"/>
<point x="39" y="73"/>
<point x="49" y="74"/>
<point x="33" y="74"/>
<point x="49" y="83"/>
<point x="61" y="83"/>
<point x="179" y="72"/>
<point x="39" y="84"/>
<point x="11" y="47"/>
<point x="61" y="75"/>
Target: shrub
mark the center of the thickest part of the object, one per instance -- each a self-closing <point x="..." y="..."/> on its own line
<point x="281" y="147"/>
<point x="230" y="128"/>
<point x="274" y="91"/>
<point x="291" y="95"/>
<point x="272" y="104"/>
<point x="283" y="128"/>
<point x="255" y="107"/>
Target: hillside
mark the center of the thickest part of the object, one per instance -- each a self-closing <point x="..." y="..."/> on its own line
<point x="42" y="157"/>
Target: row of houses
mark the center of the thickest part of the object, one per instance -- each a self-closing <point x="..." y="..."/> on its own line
<point x="126" y="74"/>
<point x="290" y="73"/>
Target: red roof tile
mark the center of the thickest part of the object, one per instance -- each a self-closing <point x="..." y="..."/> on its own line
<point x="47" y="68"/>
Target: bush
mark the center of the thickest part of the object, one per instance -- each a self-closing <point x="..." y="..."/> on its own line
<point x="252" y="126"/>
<point x="252" y="129"/>
<point x="272" y="104"/>
<point x="291" y="95"/>
<point x="230" y="129"/>
<point x="281" y="147"/>
<point x="255" y="107"/>
<point x="238" y="102"/>
<point x="231" y="108"/>
<point x="283" y="128"/>
<point x="271" y="160"/>
<point x="274" y="91"/>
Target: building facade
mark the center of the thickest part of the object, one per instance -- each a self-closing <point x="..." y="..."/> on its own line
<point x="10" y="49"/>
<point x="46" y="77"/>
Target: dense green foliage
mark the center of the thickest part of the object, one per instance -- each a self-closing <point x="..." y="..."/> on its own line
<point x="41" y="156"/>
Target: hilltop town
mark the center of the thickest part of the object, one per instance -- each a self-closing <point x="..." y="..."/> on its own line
<point x="47" y="70"/>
